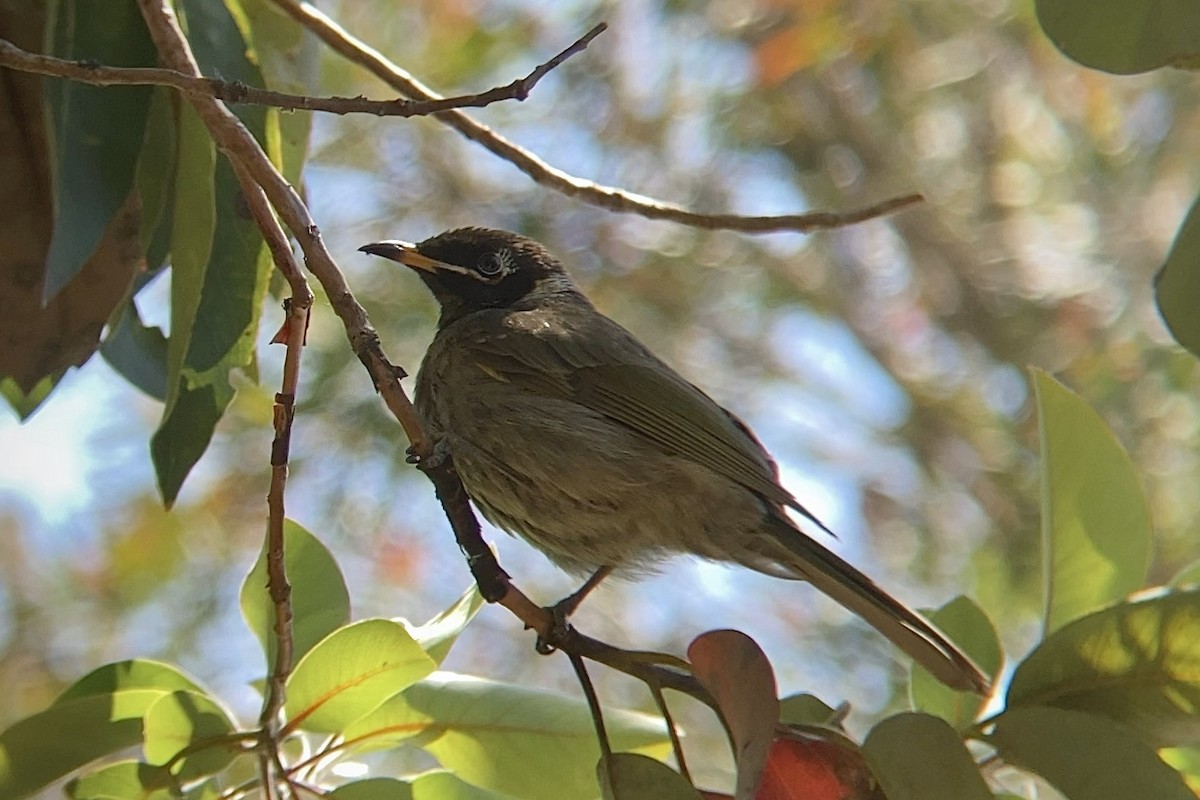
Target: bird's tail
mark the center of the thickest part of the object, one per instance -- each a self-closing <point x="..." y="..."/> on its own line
<point x="802" y="557"/>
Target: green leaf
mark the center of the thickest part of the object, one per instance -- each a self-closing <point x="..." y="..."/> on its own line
<point x="1185" y="760"/>
<point x="95" y="132"/>
<point x="433" y="785"/>
<point x="1124" y="36"/>
<point x="1134" y="662"/>
<point x="1177" y="284"/>
<point x="1188" y="576"/>
<point x="320" y="600"/>
<point x="138" y="352"/>
<point x="22" y="403"/>
<point x="439" y="634"/>
<point x="350" y="672"/>
<point x="442" y="785"/>
<point x="184" y="434"/>
<point x="969" y="627"/>
<point x="155" y="177"/>
<point x="124" y="780"/>
<point x="373" y="789"/>
<point x="289" y="57"/>
<point x="1095" y="520"/>
<point x="1086" y="757"/>
<point x="632" y="776"/>
<point x="188" y="720"/>
<point x="138" y="673"/>
<point x="808" y="709"/>
<point x="217" y="320"/>
<point x="51" y="744"/>
<point x="221" y="49"/>
<point x="920" y="757"/>
<point x="519" y="741"/>
<point x="191" y="241"/>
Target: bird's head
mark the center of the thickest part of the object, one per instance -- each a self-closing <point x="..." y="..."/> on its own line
<point x="470" y="269"/>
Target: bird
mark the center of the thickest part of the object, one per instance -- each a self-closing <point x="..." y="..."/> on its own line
<point x="569" y="432"/>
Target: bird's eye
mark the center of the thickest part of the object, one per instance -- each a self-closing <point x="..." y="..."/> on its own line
<point x="491" y="264"/>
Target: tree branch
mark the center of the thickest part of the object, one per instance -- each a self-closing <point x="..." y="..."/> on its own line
<point x="541" y="172"/>
<point x="240" y="93"/>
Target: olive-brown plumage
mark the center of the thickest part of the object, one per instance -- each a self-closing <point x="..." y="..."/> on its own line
<point x="568" y="432"/>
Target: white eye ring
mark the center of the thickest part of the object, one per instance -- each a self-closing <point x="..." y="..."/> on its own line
<point x="492" y="264"/>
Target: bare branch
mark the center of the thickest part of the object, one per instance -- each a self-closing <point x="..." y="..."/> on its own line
<point x="240" y="93"/>
<point x="292" y="334"/>
<point x="609" y="197"/>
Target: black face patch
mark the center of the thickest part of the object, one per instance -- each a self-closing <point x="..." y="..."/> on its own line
<point x="503" y="268"/>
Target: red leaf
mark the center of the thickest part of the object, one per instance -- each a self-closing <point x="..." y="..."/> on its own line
<point x="737" y="674"/>
<point x="810" y="769"/>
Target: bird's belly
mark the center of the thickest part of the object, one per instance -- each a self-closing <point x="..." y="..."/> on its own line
<point x="590" y="492"/>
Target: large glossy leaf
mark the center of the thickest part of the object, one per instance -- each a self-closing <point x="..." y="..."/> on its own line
<point x="920" y="757"/>
<point x="1124" y="36"/>
<point x="350" y="672"/>
<point x="968" y="626"/>
<point x="1095" y="520"/>
<point x="1177" y="284"/>
<point x="439" y="634"/>
<point x="433" y="785"/>
<point x="374" y="789"/>
<point x="70" y="734"/>
<point x="96" y="132"/>
<point x="320" y="600"/>
<point x="1135" y="662"/>
<point x="123" y="780"/>
<point x="138" y="673"/>
<point x="1086" y="757"/>
<point x="527" y="743"/>
<point x="189" y="721"/>
<point x="632" y="776"/>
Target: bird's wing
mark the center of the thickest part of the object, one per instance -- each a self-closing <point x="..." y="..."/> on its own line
<point x="626" y="383"/>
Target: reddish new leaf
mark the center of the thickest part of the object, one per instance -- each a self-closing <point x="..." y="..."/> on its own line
<point x="811" y="769"/>
<point x="737" y="674"/>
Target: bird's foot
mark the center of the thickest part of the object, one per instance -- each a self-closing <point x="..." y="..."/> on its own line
<point x="560" y="611"/>
<point x="438" y="455"/>
<point x="560" y="628"/>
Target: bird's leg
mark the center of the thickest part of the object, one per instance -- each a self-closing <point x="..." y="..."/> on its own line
<point x="566" y="607"/>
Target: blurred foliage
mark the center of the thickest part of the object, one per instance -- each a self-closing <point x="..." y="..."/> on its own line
<point x="884" y="364"/>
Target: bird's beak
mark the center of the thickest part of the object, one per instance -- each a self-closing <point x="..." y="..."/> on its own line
<point x="406" y="254"/>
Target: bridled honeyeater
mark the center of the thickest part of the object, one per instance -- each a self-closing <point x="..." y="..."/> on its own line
<point x="569" y="432"/>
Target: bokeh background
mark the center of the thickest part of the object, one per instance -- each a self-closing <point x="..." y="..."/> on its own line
<point x="884" y="364"/>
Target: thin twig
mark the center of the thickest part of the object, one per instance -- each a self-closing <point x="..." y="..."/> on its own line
<point x="609" y="197"/>
<point x="240" y="93"/>
<point x="279" y="589"/>
<point x="589" y="692"/>
<point x="676" y="745"/>
<point x="292" y="334"/>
